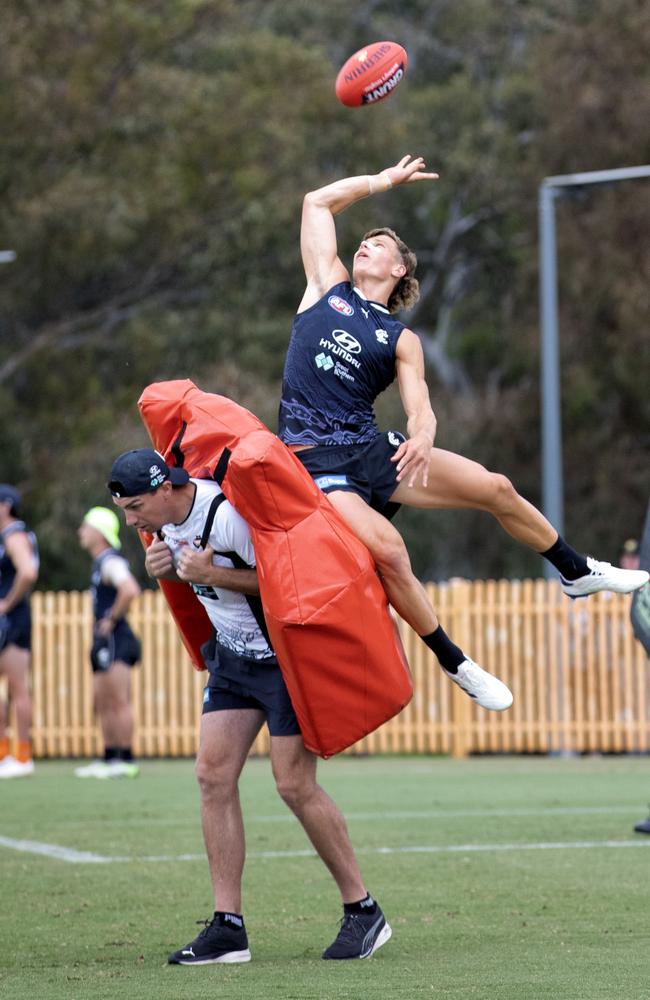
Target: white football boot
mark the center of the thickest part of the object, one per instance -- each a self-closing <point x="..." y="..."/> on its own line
<point x="122" y="769"/>
<point x="604" y="576"/>
<point x="10" y="768"/>
<point x="98" y="769"/>
<point x="105" y="769"/>
<point x="486" y="690"/>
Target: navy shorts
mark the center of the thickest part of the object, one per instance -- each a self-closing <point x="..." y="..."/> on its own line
<point x="17" y="627"/>
<point x="364" y="469"/>
<point x="238" y="682"/>
<point x="122" y="644"/>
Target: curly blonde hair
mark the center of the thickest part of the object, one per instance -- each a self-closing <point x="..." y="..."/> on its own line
<point x="407" y="290"/>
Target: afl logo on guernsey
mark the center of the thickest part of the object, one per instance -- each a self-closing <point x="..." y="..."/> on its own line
<point x="340" y="305"/>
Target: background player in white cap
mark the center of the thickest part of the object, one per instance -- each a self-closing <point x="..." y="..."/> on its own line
<point x="115" y="648"/>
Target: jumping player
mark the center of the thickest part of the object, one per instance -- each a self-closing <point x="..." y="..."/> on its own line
<point x="115" y="649"/>
<point x="345" y="349"/>
<point x="19" y="565"/>
<point x="207" y="544"/>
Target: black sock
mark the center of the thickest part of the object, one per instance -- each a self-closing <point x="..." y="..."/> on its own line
<point x="125" y="753"/>
<point x="111" y="753"/>
<point x="365" y="905"/>
<point x="449" y="655"/>
<point x="569" y="563"/>
<point x="234" y="920"/>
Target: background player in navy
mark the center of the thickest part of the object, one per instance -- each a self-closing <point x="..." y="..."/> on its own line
<point x="18" y="574"/>
<point x="345" y="349"/>
<point x="115" y="648"/>
<point x="208" y="545"/>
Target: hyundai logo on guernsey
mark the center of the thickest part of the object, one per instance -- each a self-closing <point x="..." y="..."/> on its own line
<point x="342" y="345"/>
<point x="347" y="341"/>
<point x="340" y="305"/>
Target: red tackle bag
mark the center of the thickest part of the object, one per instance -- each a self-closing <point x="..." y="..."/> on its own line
<point x="326" y="611"/>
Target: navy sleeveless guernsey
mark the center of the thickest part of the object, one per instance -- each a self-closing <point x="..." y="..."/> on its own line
<point x="103" y="594"/>
<point x="122" y="644"/>
<point x="7" y="568"/>
<point x="341" y="356"/>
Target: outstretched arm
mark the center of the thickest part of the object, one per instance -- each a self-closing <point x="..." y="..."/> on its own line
<point x="320" y="259"/>
<point x="412" y="456"/>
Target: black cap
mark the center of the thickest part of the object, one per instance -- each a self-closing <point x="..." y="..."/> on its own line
<point x="9" y="494"/>
<point x="143" y="470"/>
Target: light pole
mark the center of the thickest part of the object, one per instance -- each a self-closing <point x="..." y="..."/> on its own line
<point x="549" y="190"/>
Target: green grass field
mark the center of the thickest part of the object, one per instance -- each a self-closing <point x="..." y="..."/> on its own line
<point x="502" y="878"/>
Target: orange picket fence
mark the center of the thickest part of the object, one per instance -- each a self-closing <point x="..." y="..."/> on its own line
<point x="580" y="680"/>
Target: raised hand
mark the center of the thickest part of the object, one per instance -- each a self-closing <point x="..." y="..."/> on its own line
<point x="409" y="170"/>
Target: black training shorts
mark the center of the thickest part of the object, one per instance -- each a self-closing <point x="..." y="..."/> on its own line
<point x="122" y="644"/>
<point x="238" y="682"/>
<point x="17" y="627"/>
<point x="364" y="469"/>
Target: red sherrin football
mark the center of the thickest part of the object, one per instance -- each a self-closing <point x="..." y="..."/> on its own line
<point x="371" y="74"/>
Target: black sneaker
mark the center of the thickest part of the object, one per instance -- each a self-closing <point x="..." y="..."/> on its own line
<point x="643" y="826"/>
<point x="216" y="943"/>
<point x="360" y="935"/>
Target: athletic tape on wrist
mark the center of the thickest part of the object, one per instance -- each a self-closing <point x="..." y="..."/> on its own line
<point x="374" y="182"/>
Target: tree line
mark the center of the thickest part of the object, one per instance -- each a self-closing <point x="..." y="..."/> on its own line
<point x="154" y="160"/>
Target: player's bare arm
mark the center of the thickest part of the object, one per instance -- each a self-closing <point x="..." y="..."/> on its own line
<point x="126" y="593"/>
<point x="195" y="566"/>
<point x="323" y="267"/>
<point x="412" y="456"/>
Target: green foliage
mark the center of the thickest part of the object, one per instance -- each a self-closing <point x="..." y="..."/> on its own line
<point x="154" y="158"/>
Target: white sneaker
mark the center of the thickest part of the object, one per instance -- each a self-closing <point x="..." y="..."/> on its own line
<point x="604" y="576"/>
<point x="98" y="769"/>
<point x="10" y="768"/>
<point x="105" y="769"/>
<point x="123" y="769"/>
<point x="486" y="690"/>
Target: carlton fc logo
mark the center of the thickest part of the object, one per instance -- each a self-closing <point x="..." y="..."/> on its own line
<point x="340" y="305"/>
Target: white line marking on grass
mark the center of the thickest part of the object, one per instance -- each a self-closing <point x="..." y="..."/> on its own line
<point x="55" y="851"/>
<point x="472" y="848"/>
<point x="459" y="813"/>
<point x="465" y="848"/>
<point x="87" y="857"/>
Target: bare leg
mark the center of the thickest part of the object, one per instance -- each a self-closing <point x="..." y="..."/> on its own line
<point x="455" y="482"/>
<point x="14" y="664"/>
<point x="386" y="546"/>
<point x="113" y="704"/>
<point x="226" y="738"/>
<point x="294" y="769"/>
<point x="409" y="598"/>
